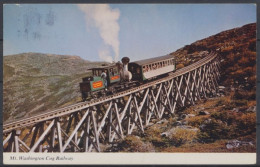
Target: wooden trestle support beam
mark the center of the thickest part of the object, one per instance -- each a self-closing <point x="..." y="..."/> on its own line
<point x="85" y="129"/>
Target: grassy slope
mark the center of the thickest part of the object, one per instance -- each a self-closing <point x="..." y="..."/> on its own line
<point x="35" y="82"/>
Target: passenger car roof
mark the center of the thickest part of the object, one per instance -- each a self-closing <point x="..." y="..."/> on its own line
<point x="153" y="60"/>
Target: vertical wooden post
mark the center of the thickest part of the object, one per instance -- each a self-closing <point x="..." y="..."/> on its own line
<point x="59" y="135"/>
<point x="86" y="143"/>
<point x="17" y="134"/>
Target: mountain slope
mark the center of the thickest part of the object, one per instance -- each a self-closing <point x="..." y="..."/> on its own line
<point x="225" y="123"/>
<point x="237" y="48"/>
<point x="35" y="82"/>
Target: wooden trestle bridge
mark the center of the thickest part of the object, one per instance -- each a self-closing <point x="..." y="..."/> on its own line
<point x="83" y="126"/>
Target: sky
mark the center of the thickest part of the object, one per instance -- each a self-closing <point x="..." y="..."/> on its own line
<point x="108" y="32"/>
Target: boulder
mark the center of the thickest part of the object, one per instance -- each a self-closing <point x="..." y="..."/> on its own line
<point x="184" y="122"/>
<point x="203" y="113"/>
<point x="236" y="143"/>
<point x="162" y="121"/>
<point x="251" y="109"/>
<point x="183" y="116"/>
<point x="233" y="144"/>
<point x="235" y="109"/>
<point x="191" y="115"/>
<point x="202" y="126"/>
<point x="172" y="131"/>
<point x="177" y="123"/>
<point x="221" y="87"/>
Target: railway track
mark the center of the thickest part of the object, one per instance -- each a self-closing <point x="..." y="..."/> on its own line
<point x="50" y="115"/>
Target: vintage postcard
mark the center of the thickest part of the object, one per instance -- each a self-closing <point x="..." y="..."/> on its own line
<point x="129" y="83"/>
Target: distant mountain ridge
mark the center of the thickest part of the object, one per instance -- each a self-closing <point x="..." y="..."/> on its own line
<point x="46" y="64"/>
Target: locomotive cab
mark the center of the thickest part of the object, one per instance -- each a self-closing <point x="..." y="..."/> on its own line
<point x="96" y="84"/>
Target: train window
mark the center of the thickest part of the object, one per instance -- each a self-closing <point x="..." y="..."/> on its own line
<point x="144" y="70"/>
<point x="138" y="70"/>
<point x="150" y="67"/>
<point x="111" y="71"/>
<point x="94" y="73"/>
<point x="99" y="72"/>
<point x="154" y="66"/>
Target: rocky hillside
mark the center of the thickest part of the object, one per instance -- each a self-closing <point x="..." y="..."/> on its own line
<point x="237" y="48"/>
<point x="35" y="82"/>
<point x="226" y="123"/>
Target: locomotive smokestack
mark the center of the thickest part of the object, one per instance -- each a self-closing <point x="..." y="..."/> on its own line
<point x="126" y="74"/>
<point x="125" y="61"/>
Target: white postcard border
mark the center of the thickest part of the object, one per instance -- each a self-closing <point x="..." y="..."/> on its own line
<point x="128" y="158"/>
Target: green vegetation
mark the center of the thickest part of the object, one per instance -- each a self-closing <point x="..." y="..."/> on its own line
<point x="134" y="144"/>
<point x="34" y="83"/>
<point x="183" y="136"/>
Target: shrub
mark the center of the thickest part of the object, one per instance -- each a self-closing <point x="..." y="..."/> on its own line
<point x="224" y="101"/>
<point x="197" y="121"/>
<point x="252" y="80"/>
<point x="221" y="115"/>
<point x="153" y="134"/>
<point x="242" y="94"/>
<point x="212" y="131"/>
<point x="246" y="124"/>
<point x="240" y="102"/>
<point x="183" y="136"/>
<point x="225" y="116"/>
<point x="135" y="144"/>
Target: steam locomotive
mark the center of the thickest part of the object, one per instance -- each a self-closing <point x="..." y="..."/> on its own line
<point x="122" y="76"/>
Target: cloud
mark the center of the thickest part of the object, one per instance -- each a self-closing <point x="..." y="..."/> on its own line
<point x="106" y="20"/>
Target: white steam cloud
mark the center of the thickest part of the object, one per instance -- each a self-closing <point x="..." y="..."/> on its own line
<point x="104" y="55"/>
<point x="105" y="19"/>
